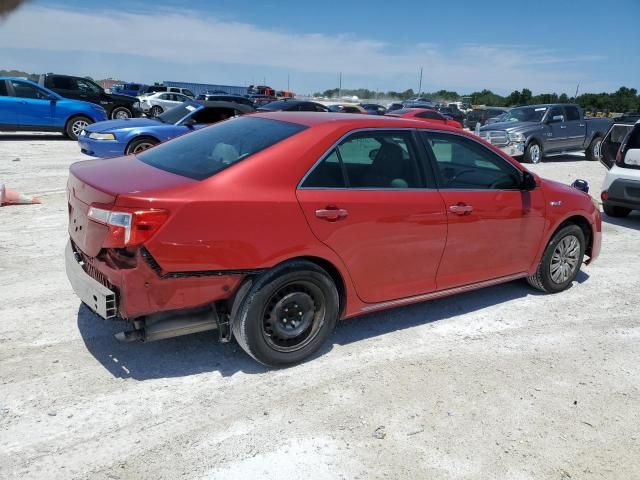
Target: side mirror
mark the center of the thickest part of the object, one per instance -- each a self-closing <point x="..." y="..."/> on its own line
<point x="581" y="185"/>
<point x="52" y="98"/>
<point x="528" y="181"/>
<point x="373" y="153"/>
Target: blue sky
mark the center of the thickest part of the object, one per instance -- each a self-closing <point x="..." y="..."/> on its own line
<point x="547" y="46"/>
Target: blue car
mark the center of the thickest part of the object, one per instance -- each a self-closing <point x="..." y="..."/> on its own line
<point x="133" y="135"/>
<point x="26" y="106"/>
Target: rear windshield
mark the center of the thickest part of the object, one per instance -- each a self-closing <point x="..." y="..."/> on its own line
<point x="205" y="152"/>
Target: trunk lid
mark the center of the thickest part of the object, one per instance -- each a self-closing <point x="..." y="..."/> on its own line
<point x="100" y="183"/>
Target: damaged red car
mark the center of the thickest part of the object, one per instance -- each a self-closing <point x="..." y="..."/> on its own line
<point x="270" y="228"/>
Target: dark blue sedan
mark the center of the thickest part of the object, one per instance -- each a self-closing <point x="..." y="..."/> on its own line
<point x="114" y="138"/>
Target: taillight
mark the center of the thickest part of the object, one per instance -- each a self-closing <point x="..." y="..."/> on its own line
<point x="604" y="195"/>
<point x="128" y="227"/>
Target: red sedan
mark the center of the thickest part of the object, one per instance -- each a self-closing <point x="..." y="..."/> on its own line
<point x="426" y="115"/>
<point x="271" y="227"/>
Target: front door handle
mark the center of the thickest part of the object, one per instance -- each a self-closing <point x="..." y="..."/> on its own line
<point x="332" y="214"/>
<point x="461" y="209"/>
<point x="563" y="126"/>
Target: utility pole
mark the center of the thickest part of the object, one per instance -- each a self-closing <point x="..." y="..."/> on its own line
<point x="577" y="88"/>
<point x="340" y="85"/>
<point x="288" y="90"/>
<point x="420" y="83"/>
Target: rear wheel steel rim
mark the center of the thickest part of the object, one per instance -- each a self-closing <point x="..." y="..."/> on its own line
<point x="78" y="126"/>
<point x="293" y="316"/>
<point x="564" y="261"/>
<point x="535" y="153"/>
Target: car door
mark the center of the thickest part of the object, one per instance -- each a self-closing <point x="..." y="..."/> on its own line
<point x="557" y="130"/>
<point x="33" y="105"/>
<point x="64" y="86"/>
<point x="369" y="200"/>
<point x="576" y="128"/>
<point x="494" y="227"/>
<point x="8" y="107"/>
<point x="90" y="92"/>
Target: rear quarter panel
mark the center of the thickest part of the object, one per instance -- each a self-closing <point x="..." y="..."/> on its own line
<point x="247" y="216"/>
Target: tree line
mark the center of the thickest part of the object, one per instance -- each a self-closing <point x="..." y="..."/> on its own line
<point x="622" y="100"/>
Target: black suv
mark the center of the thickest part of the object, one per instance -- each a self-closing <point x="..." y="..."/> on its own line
<point x="79" y="88"/>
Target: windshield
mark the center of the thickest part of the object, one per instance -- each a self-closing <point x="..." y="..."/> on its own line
<point x="178" y="112"/>
<point x="205" y="152"/>
<point x="525" y="114"/>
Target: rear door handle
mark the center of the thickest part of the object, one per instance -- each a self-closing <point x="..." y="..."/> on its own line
<point x="461" y="209"/>
<point x="332" y="214"/>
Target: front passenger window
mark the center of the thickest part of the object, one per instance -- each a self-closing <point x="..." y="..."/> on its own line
<point x="464" y="164"/>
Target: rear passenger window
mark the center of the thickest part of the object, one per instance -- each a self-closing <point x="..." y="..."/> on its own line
<point x="371" y="160"/>
<point x="572" y="113"/>
<point x="464" y="164"/>
<point x="327" y="174"/>
<point x="3" y="88"/>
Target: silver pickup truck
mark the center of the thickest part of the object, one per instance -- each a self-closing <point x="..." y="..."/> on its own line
<point x="536" y="131"/>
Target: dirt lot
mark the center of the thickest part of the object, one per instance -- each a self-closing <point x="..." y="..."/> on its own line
<point x="501" y="383"/>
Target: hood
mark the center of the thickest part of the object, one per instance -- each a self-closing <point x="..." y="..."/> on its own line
<point x="111" y="125"/>
<point x="511" y="127"/>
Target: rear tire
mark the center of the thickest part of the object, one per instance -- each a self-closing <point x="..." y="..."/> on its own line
<point x="287" y="314"/>
<point x="560" y="261"/>
<point x="75" y="125"/>
<point x="140" y="145"/>
<point x="155" y="111"/>
<point x="615" y="211"/>
<point x="593" y="151"/>
<point x="533" y="153"/>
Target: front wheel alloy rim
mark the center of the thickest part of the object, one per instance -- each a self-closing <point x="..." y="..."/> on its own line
<point x="122" y="114"/>
<point x="293" y="316"/>
<point x="78" y="126"/>
<point x="141" y="147"/>
<point x="535" y="153"/>
<point x="564" y="260"/>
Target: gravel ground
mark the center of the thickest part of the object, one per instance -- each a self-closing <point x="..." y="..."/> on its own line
<point x="501" y="383"/>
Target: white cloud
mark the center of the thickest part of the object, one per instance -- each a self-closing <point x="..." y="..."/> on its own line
<point x="180" y="38"/>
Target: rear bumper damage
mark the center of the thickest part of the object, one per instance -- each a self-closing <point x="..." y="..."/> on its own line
<point x="157" y="305"/>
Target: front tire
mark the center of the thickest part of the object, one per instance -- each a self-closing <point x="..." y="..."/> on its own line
<point x="561" y="260"/>
<point x="121" y="113"/>
<point x="75" y="125"/>
<point x="288" y="313"/>
<point x="533" y="153"/>
<point x="140" y="145"/>
<point x="615" y="211"/>
<point x="593" y="151"/>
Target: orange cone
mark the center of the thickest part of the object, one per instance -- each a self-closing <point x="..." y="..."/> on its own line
<point x="9" y="196"/>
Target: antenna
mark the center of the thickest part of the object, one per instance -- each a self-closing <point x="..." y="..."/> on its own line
<point x="420" y="83"/>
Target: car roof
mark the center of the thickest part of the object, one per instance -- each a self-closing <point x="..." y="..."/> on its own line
<point x="222" y="104"/>
<point x="352" y="120"/>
